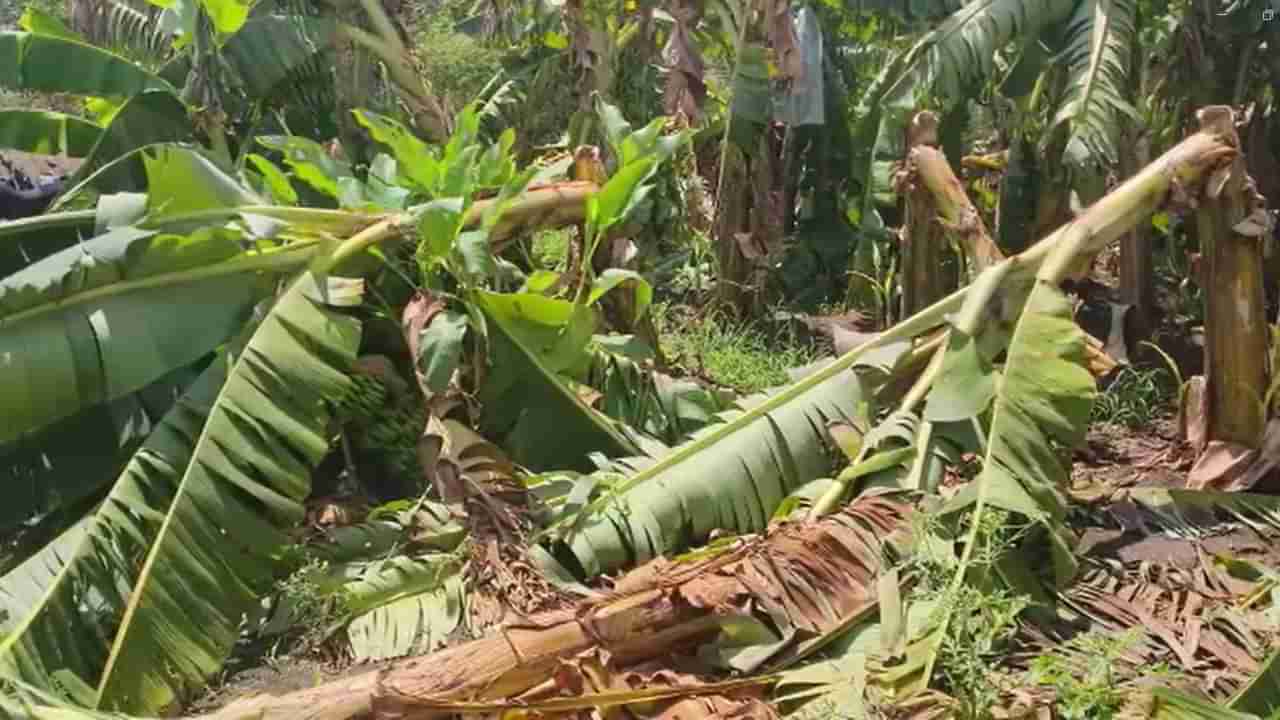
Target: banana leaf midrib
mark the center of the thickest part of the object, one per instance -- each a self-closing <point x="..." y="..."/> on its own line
<point x="287" y="258"/>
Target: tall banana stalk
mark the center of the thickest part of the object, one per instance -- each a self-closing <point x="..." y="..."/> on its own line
<point x="1236" y="335"/>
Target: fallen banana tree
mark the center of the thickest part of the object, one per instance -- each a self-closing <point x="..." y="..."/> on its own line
<point x="227" y="468"/>
<point x="807" y="579"/>
<point x="661" y="505"/>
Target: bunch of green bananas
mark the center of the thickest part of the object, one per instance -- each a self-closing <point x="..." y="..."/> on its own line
<point x="363" y="401"/>
<point x="393" y="436"/>
<point x="383" y="430"/>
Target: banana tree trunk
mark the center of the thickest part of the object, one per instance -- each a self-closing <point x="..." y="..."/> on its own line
<point x="955" y="209"/>
<point x="654" y="611"/>
<point x="1234" y="306"/>
<point x="1019" y="189"/>
<point x="543" y="206"/>
<point x="936" y="205"/>
<point x="924" y="278"/>
<point x="732" y="228"/>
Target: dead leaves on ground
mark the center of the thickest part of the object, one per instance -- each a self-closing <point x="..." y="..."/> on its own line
<point x="1191" y="622"/>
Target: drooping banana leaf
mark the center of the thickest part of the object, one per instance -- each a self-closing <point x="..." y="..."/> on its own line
<point x="1041" y="400"/>
<point x="1099" y="38"/>
<point x="41" y="62"/>
<point x="730" y="475"/>
<point x="533" y="338"/>
<point x="146" y="119"/>
<point x="268" y="48"/>
<point x="150" y="602"/>
<point x="102" y="319"/>
<point x="47" y="133"/>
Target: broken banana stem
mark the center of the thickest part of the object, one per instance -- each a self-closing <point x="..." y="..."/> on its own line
<point x="840" y="486"/>
<point x="1051" y="258"/>
<point x="547" y="206"/>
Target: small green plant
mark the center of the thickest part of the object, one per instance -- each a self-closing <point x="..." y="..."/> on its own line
<point x="1083" y="675"/>
<point x="550" y="249"/>
<point x="1136" y="397"/>
<point x="982" y="624"/>
<point x="981" y="620"/>
<point x="308" y="604"/>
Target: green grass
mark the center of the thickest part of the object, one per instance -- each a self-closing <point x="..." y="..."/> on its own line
<point x="1135" y="398"/>
<point x="744" y="357"/>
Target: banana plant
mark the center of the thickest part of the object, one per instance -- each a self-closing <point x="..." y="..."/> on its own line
<point x="249" y="362"/>
<point x="1068" y="78"/>
<point x="224" y="67"/>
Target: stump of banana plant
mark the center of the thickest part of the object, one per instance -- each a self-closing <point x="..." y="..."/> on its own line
<point x="954" y="209"/>
<point x="1235" y="323"/>
<point x="924" y="277"/>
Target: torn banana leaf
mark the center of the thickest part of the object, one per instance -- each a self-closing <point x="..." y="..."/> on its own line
<point x="149" y="603"/>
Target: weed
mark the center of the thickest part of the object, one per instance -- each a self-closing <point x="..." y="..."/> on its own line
<point x="741" y="356"/>
<point x="1135" y="398"/>
<point x="1083" y="675"/>
<point x="306" y="607"/>
<point x="549" y="249"/>
<point x="981" y="626"/>
<point x="982" y="619"/>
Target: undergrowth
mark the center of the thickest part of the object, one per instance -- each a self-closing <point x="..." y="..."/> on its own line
<point x="1136" y="397"/>
<point x="745" y="357"/>
<point x="981" y="619"/>
<point x="306" y="609"/>
<point x="1083" y="675"/>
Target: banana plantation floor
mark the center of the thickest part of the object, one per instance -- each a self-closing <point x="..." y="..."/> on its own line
<point x="1116" y="463"/>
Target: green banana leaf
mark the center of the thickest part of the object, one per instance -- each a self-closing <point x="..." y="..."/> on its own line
<point x="1099" y="43"/>
<point x="147" y="119"/>
<point x="267" y="49"/>
<point x="42" y="62"/>
<point x="188" y="537"/>
<point x="544" y="425"/>
<point x="406" y="605"/>
<point x="101" y="320"/>
<point x="47" y="133"/>
<point x="23" y="242"/>
<point x="731" y="475"/>
<point x="1261" y="696"/>
<point x="78" y="457"/>
<point x="1173" y="704"/>
<point x="1042" y="400"/>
